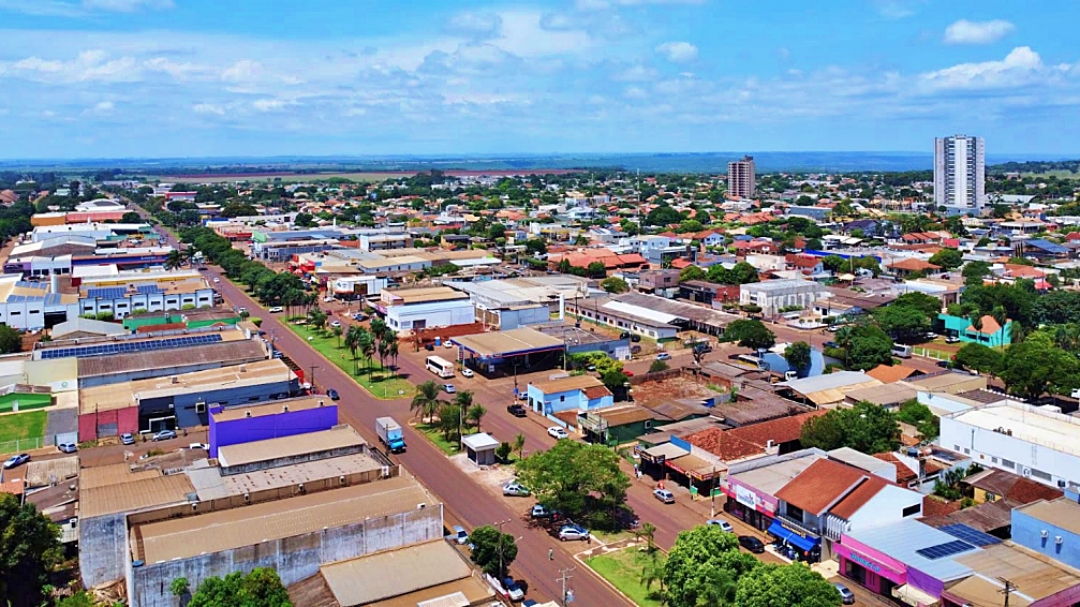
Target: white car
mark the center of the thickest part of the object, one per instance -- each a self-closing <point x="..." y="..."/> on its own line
<point x="722" y="524"/>
<point x="466" y="372"/>
<point x="202" y="446"/>
<point x="557" y="432"/>
<point x="336" y="323"/>
<point x="328" y="299"/>
<point x="216" y="279"/>
<point x="276" y="309"/>
<point x="663" y="356"/>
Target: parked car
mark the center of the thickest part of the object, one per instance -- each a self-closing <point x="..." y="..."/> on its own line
<point x="336" y="323"/>
<point x="515" y="489"/>
<point x="127" y="438"/>
<point x="944" y="364"/>
<point x="834" y="328"/>
<point x="466" y="372"/>
<point x="517" y="410"/>
<point x="459" y="534"/>
<point x="359" y="317"/>
<point x="663" y="356"/>
<point x="542" y="511"/>
<point x="216" y="280"/>
<point x="276" y="309"/>
<point x="830" y="344"/>
<point x="557" y="432"/>
<point x="67" y="447"/>
<point x="333" y="394"/>
<point x="752" y="544"/>
<point x="721" y="523"/>
<point x="199" y="446"/>
<point x="952" y="339"/>
<point x="573" y="532"/>
<point x="449" y="388"/>
<point x="164" y="435"/>
<point x="513" y="591"/>
<point x="624" y="335"/>
<point x="328" y="299"/>
<point x="16" y="460"/>
<point x="447" y="344"/>
<point x="846" y="596"/>
<point x="664" y="496"/>
<point x="429" y="347"/>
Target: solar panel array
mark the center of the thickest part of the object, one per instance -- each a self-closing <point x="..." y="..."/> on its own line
<point x="107" y="292"/>
<point x="970" y="535"/>
<point x="149" y="289"/>
<point x="131" y="347"/>
<point x="943" y="550"/>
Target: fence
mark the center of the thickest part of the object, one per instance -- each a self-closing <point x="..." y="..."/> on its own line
<point x="24" y="444"/>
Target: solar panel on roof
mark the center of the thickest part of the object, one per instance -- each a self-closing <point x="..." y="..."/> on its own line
<point x="106" y="292"/>
<point x="970" y="535"/>
<point x="943" y="550"/>
<point x="149" y="289"/>
<point x="131" y="347"/>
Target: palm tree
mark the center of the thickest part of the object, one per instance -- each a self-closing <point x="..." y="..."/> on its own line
<point x="384" y="350"/>
<point x="653" y="571"/>
<point x="392" y="350"/>
<point x="337" y="333"/>
<point x="352" y="342"/>
<point x="174" y="259"/>
<point x="474" y="414"/>
<point x="426" y="401"/>
<point x="367" y="346"/>
<point x="1000" y="317"/>
<point x="519" y="445"/>
<point x="464" y="399"/>
<point x="647" y="531"/>
<point x="976" y="323"/>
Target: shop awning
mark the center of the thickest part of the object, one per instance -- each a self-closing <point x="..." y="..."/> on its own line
<point x="698" y="468"/>
<point x="664" y="452"/>
<point x="913" y="596"/>
<point x="791" y="537"/>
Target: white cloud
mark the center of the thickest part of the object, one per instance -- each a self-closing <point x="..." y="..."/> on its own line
<point x="89" y="66"/>
<point x="60" y="8"/>
<point x="475" y="24"/>
<point x="635" y="73"/>
<point x="896" y="9"/>
<point x="977" y="32"/>
<point x="127" y="6"/>
<point x="1020" y="67"/>
<point x="269" y="105"/>
<point x="523" y="34"/>
<point x="208" y="108"/>
<point x="101" y="108"/>
<point x="592" y="5"/>
<point x="635" y="92"/>
<point x="678" y="52"/>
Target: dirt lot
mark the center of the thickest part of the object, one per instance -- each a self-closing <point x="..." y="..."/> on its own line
<point x="676" y="388"/>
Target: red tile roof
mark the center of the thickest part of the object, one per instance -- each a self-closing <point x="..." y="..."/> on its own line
<point x="989" y="326"/>
<point x="914" y="265"/>
<point x="931" y="506"/>
<point x="724" y="445"/>
<point x="890" y="374"/>
<point x="904" y="475"/>
<point x="847" y="507"/>
<point x="821" y="485"/>
<point x="14" y="487"/>
<point x="782" y="430"/>
<point x="594" y="392"/>
<point x="802" y="261"/>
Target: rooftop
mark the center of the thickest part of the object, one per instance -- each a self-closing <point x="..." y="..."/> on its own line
<point x="423" y="294"/>
<point x="210" y="484"/>
<point x="273" y="408"/>
<point x="773" y="477"/>
<point x="248" y="525"/>
<point x="903" y="539"/>
<point x="821" y="485"/>
<point x="566" y="384"/>
<point x="156" y="490"/>
<point x="1027" y="423"/>
<point x="1060" y="512"/>
<point x="1033" y="576"/>
<point x="338" y="437"/>
<point x="507" y="343"/>
<point x="365" y="580"/>
<point x="232" y="352"/>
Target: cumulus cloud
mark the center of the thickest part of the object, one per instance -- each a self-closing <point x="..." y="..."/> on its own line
<point x="269" y="105"/>
<point x="88" y="66"/>
<point x="101" y="108"/>
<point x="475" y="24"/>
<point x="208" y="108"/>
<point x="678" y="52"/>
<point x="977" y="32"/>
<point x="1020" y="67"/>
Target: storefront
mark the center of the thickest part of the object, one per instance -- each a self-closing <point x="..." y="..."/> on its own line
<point x="869" y="568"/>
<point x="749" y="505"/>
<point x="799" y="544"/>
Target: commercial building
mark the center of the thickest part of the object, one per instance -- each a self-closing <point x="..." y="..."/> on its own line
<point x="960" y="173"/>
<point x="742" y="178"/>
<point x="32" y="305"/>
<point x="513" y="303"/>
<point x="409" y="309"/>
<point x="144" y="292"/>
<point x="1033" y="442"/>
<point x="651" y="316"/>
<point x="385" y="241"/>
<point x="356" y="287"/>
<point x="1051" y="528"/>
<point x="575" y="393"/>
<point x="264" y="421"/>
<point x="524" y="348"/>
<point x="774" y="295"/>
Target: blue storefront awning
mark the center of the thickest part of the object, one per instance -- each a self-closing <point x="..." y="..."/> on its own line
<point x="791" y="537"/>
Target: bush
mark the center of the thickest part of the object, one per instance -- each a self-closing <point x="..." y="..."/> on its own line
<point x="658" y="366"/>
<point x="255" y="320"/>
<point x="503" y="452"/>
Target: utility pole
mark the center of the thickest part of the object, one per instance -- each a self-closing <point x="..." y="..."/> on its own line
<point x="499" y="525"/>
<point x="567" y="595"/>
<point x="312" y="382"/>
<point x="1008" y="590"/>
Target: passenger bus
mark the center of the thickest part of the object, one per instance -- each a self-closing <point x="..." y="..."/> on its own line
<point x="901" y="351"/>
<point x="439" y="366"/>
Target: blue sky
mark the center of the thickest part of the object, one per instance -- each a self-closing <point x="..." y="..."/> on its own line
<point x="183" y="78"/>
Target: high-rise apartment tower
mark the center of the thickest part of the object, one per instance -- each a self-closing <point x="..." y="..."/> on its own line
<point x="960" y="173"/>
<point x="741" y="179"/>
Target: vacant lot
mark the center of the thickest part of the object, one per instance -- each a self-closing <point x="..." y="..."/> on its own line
<point x="20" y="427"/>
<point x="282" y="177"/>
<point x="676" y="388"/>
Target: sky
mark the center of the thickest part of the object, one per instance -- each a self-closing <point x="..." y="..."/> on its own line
<point x="197" y="78"/>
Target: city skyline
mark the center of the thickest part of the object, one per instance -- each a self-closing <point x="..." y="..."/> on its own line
<point x="186" y="78"/>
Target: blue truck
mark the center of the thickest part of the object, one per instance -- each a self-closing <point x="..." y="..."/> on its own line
<point x="390" y="434"/>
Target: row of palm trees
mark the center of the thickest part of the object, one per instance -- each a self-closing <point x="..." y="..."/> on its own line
<point x="178" y="257"/>
<point x="451" y="415"/>
<point x="380" y="341"/>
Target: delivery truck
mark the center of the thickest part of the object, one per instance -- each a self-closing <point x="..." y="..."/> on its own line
<point x="390" y="434"/>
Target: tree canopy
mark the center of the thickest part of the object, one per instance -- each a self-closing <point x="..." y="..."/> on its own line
<point x="704" y="567"/>
<point x="902" y="323"/>
<point x="742" y="273"/>
<point x="1036" y="365"/>
<point x="750" y="334"/>
<point x="29" y="550"/>
<point x="492" y="550"/>
<point x="978" y="357"/>
<point x="949" y="259"/>
<point x="580" y="479"/>
<point x="866" y="427"/>
<point x="614" y="284"/>
<point x="798" y="358"/>
<point x="260" y="588"/>
<point x="866" y="346"/>
<point x="795" y="585"/>
<point x="10" y="340"/>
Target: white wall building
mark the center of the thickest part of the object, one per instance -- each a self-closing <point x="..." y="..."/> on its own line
<point x="774" y="295"/>
<point x="960" y="172"/>
<point x="1036" y="443"/>
<point x="432" y="314"/>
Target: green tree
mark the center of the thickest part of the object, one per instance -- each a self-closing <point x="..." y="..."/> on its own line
<point x="919" y="415"/>
<point x="1036" y="365"/>
<point x="450" y="421"/>
<point x="866" y="427"/>
<point x="703" y="568"/>
<point x="174" y="259"/>
<point x="978" y="357"/>
<point x="692" y="273"/>
<point x="260" y="588"/>
<point x="974" y="272"/>
<point x="949" y="259"/>
<point x="492" y="550"/>
<point x="337" y="331"/>
<point x="519" y="445"/>
<point x="536" y="246"/>
<point x="903" y="323"/>
<point x="867" y="347"/>
<point x="475" y="414"/>
<point x="927" y="304"/>
<point x="798" y="358"/>
<point x="580" y="479"/>
<point x="750" y="334"/>
<point x="794" y="585"/>
<point x="614" y="284"/>
<point x="29" y="550"/>
<point x="426" y="401"/>
<point x="596" y="269"/>
<point x="10" y="340"/>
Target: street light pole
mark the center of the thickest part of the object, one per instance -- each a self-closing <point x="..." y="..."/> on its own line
<point x="566" y="594"/>
<point x="313" y="367"/>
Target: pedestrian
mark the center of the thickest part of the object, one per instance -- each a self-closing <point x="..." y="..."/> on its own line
<point x="551" y="554"/>
<point x="589" y="537"/>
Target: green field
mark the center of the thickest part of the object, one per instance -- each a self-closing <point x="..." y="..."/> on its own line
<point x="282" y="178"/>
<point x="381" y="383"/>
<point x="19" y="427"/>
<point x="623" y="569"/>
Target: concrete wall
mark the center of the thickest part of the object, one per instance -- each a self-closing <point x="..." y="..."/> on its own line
<point x="102" y="549"/>
<point x="250" y="429"/>
<point x="125" y="420"/>
<point x="1027" y="532"/>
<point x="294" y="558"/>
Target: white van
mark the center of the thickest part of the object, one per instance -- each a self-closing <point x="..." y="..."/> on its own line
<point x="901" y="351"/>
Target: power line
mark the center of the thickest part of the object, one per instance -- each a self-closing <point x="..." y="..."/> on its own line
<point x="1008" y="590"/>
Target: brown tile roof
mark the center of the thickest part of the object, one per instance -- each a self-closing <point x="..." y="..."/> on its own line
<point x="724" y="445"/>
<point x="858" y="498"/>
<point x="913" y="265"/>
<point x="989" y="326"/>
<point x="932" y="506"/>
<point x="14" y="486"/>
<point x="821" y="485"/>
<point x="985" y="517"/>
<point x="904" y="475"/>
<point x="782" y="430"/>
<point x="594" y="392"/>
<point x="1014" y="487"/>
<point x="890" y="374"/>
